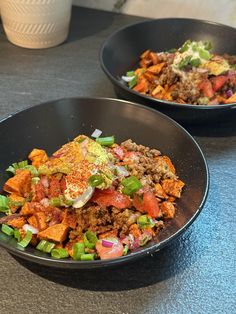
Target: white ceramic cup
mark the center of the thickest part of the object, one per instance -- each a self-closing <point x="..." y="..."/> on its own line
<point x="36" y="23"/>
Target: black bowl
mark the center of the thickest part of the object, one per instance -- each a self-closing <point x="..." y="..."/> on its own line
<point x="120" y="53"/>
<point x="52" y="124"/>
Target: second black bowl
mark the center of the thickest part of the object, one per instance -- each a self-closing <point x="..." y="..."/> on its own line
<point x="120" y="53"/>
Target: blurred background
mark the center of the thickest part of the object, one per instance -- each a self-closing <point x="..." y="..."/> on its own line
<point x="221" y="11"/>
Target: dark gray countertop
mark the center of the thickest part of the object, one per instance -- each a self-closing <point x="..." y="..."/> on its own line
<point x="196" y="274"/>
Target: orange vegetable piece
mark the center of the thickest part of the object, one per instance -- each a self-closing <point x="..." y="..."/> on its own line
<point x="17" y="222"/>
<point x="145" y="54"/>
<point x="168" y="210"/>
<point x="153" y="57"/>
<point x="38" y="157"/>
<point x="20" y="184"/>
<point x="70" y="219"/>
<point x="109" y="234"/>
<point x="55" y="233"/>
<point x="173" y="187"/>
<point x="156" y="69"/>
<point x="141" y="87"/>
<point x="38" y="220"/>
<point x="134" y="230"/>
<point x="159" y="192"/>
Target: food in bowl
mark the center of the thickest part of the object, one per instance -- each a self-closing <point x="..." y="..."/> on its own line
<point x="92" y="199"/>
<point x="190" y="74"/>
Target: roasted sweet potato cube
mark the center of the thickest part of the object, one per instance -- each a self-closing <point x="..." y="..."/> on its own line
<point x="159" y="192"/>
<point x="20" y="184"/>
<point x="27" y="209"/>
<point x="173" y="187"/>
<point x="169" y="163"/>
<point x="55" y="233"/>
<point x="156" y="69"/>
<point x="70" y="219"/>
<point x="134" y="230"/>
<point x="109" y="234"/>
<point x="145" y="54"/>
<point x="38" y="220"/>
<point x="142" y="86"/>
<point x="168" y="210"/>
<point x="38" y="157"/>
<point x="153" y="57"/>
<point x="17" y="222"/>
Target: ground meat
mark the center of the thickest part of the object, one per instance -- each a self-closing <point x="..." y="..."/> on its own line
<point x="146" y="165"/>
<point x="168" y="77"/>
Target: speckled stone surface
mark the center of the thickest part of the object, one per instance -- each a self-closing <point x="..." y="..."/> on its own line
<point x="196" y="274"/>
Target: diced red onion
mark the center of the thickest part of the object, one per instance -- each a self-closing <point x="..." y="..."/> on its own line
<point x="27" y="227"/>
<point x="229" y="93"/>
<point x="96" y="133"/>
<point x="122" y="171"/>
<point x="107" y="243"/>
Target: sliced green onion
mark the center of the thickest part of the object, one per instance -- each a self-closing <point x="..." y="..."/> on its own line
<point x="17" y="235"/>
<point x="17" y="165"/>
<point x="207" y="45"/>
<point x="125" y="250"/>
<point x="130" y="73"/>
<point x="59" y="253"/>
<point x="7" y="230"/>
<point x="87" y="257"/>
<point x="95" y="180"/>
<point x="133" y="82"/>
<point x="144" y="221"/>
<point x="45" y="246"/>
<point x="144" y="239"/>
<point x="184" y="62"/>
<point x="48" y="247"/>
<point x="26" y="240"/>
<point x="40" y="245"/>
<point x="78" y="250"/>
<point x="35" y="180"/>
<point x="16" y="203"/>
<point x="4" y="204"/>
<point x="55" y="202"/>
<point x="204" y="54"/>
<point x="32" y="169"/>
<point x="131" y="185"/>
<point x="195" y="62"/>
<point x="106" y="141"/>
<point x="185" y="46"/>
<point x="90" y="239"/>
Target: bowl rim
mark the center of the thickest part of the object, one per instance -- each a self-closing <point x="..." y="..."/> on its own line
<point x="117" y="81"/>
<point x="72" y="264"/>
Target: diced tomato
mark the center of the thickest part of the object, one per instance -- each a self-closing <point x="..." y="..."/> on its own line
<point x="109" y="252"/>
<point x="119" y="151"/>
<point x="138" y="203"/>
<point x="206" y="87"/>
<point x="54" y="188"/>
<point x="110" y="197"/>
<point x="149" y="204"/>
<point x="218" y="82"/>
